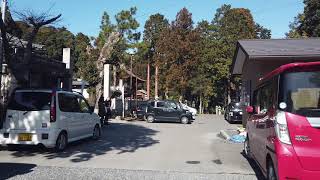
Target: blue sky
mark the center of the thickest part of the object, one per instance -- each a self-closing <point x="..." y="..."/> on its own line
<point x="85" y="15"/>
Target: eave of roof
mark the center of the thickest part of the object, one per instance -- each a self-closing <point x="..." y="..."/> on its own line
<point x="280" y="49"/>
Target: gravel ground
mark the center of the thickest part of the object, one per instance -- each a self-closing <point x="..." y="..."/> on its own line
<point x="121" y="174"/>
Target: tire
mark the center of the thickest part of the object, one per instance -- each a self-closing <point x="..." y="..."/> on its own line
<point x="150" y="119"/>
<point x="246" y="148"/>
<point x="96" y="134"/>
<point x="62" y="142"/>
<point x="271" y="173"/>
<point x="184" y="120"/>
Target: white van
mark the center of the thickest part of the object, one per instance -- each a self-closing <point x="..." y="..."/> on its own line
<point x="50" y="118"/>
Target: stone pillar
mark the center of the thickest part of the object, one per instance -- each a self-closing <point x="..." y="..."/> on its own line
<point x="66" y="58"/>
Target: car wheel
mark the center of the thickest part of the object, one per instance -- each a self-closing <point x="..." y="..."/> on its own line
<point x="246" y="148"/>
<point x="62" y="142"/>
<point x="271" y="172"/>
<point x="96" y="132"/>
<point x="150" y="119"/>
<point x="184" y="120"/>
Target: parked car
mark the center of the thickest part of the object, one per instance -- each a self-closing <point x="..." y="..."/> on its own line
<point x="190" y="109"/>
<point x="50" y="118"/>
<point x="141" y="111"/>
<point x="283" y="134"/>
<point x="166" y="110"/>
<point x="233" y="112"/>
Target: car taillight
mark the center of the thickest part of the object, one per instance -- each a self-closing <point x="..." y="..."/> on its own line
<point x="282" y="128"/>
<point x="53" y="108"/>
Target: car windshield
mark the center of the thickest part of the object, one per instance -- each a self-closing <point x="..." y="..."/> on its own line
<point x="301" y="92"/>
<point x="30" y="101"/>
<point x="235" y="105"/>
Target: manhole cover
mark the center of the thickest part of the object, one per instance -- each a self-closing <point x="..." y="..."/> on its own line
<point x="217" y="161"/>
<point x="193" y="162"/>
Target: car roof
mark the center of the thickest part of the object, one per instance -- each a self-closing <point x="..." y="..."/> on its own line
<point x="291" y="67"/>
<point x="47" y="91"/>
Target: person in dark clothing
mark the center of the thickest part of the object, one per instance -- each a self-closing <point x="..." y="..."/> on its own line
<point x="108" y="109"/>
<point x="102" y="110"/>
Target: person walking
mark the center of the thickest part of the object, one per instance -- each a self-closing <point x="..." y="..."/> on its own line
<point x="102" y="110"/>
<point x="108" y="110"/>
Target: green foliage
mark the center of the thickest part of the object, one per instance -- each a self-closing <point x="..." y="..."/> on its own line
<point x="176" y="53"/>
<point x="127" y="25"/>
<point x="306" y="24"/>
<point x="310" y="23"/>
<point x="86" y="57"/>
<point x="106" y="28"/>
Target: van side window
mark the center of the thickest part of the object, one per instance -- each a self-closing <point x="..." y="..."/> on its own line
<point x="152" y="103"/>
<point x="263" y="98"/>
<point x="68" y="103"/>
<point x="266" y="98"/>
<point x="256" y="101"/>
<point x="161" y="104"/>
<point x="84" y="106"/>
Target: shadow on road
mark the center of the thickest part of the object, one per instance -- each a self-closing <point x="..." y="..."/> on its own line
<point x="254" y="166"/>
<point x="8" y="170"/>
<point x="124" y="138"/>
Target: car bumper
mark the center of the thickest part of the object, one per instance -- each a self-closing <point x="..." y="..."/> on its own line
<point x="236" y="116"/>
<point x="289" y="166"/>
<point x="11" y="137"/>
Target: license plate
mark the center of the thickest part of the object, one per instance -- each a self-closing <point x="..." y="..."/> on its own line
<point x="25" y="137"/>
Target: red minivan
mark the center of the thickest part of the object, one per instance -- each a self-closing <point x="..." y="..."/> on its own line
<point x="284" y="123"/>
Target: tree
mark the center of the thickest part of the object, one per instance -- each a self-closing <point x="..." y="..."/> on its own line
<point x="176" y="54"/>
<point x="152" y="31"/>
<point x="293" y="26"/>
<point x="310" y="23"/>
<point x="306" y="24"/>
<point x="35" y="22"/>
<point x="261" y="32"/>
<point x="106" y="28"/>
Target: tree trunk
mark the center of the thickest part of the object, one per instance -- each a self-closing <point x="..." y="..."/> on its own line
<point x="148" y="81"/>
<point x="156" y="83"/>
<point x="200" y="104"/>
<point x="105" y="54"/>
<point x="114" y="75"/>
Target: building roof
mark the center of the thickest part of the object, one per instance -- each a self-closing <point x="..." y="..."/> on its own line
<point x="122" y="66"/>
<point x="280" y="49"/>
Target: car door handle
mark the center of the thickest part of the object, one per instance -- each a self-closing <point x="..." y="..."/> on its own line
<point x="9" y="116"/>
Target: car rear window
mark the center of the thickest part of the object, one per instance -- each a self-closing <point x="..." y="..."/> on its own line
<point x="30" y="101"/>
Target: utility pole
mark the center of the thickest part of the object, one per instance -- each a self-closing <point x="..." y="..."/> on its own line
<point x="148" y="80"/>
<point x="156" y="83"/>
<point x="130" y="82"/>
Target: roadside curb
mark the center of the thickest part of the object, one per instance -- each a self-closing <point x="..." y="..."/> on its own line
<point x="225" y="135"/>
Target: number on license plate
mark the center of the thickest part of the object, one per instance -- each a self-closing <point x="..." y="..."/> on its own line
<point x="25" y="137"/>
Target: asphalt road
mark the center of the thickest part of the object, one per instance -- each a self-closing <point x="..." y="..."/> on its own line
<point x="138" y="150"/>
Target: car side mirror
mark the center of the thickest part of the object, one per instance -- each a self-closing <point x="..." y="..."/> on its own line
<point x="249" y="109"/>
